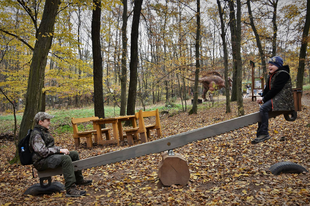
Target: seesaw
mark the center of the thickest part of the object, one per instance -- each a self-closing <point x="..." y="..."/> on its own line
<point x="157" y="146"/>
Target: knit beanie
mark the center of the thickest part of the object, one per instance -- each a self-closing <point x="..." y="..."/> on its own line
<point x="277" y="61"/>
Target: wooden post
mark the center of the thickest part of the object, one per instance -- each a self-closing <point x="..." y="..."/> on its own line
<point x="297" y="93"/>
<point x="173" y="169"/>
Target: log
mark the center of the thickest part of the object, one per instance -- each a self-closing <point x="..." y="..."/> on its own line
<point x="173" y="170"/>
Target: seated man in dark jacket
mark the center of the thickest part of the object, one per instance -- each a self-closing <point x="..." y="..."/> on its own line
<point x="47" y="155"/>
<point x="277" y="96"/>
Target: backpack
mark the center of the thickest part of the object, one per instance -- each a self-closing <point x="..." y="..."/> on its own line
<point x="25" y="154"/>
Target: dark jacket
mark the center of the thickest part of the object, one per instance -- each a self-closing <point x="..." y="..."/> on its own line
<point x="279" y="90"/>
<point x="42" y="146"/>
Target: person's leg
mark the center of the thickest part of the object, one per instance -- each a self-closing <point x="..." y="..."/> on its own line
<point x="258" y="129"/>
<point x="68" y="171"/>
<point x="74" y="155"/>
<point x="264" y="114"/>
<point x="65" y="162"/>
<point x="262" y="129"/>
<point x="59" y="160"/>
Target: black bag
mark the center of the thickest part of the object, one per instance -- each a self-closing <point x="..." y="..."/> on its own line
<point x="25" y="154"/>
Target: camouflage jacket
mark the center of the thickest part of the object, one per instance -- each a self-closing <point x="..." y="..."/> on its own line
<point x="279" y="90"/>
<point x="42" y="146"/>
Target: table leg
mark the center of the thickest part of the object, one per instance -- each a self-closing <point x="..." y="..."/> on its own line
<point x="96" y="135"/>
<point x="134" y="123"/>
<point x="116" y="132"/>
<point x="120" y="130"/>
<point x="99" y="134"/>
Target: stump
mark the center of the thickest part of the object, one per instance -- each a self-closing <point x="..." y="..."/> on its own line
<point x="173" y="169"/>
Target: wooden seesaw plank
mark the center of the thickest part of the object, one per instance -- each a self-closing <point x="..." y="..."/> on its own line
<point x="161" y="145"/>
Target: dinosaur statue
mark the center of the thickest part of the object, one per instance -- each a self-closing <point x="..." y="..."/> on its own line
<point x="210" y="81"/>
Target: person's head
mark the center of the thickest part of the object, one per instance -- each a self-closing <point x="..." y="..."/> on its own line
<point x="43" y="119"/>
<point x="275" y="63"/>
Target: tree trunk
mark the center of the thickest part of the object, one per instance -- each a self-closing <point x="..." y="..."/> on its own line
<point x="78" y="69"/>
<point x="97" y="60"/>
<point x="166" y="80"/>
<point x="38" y="64"/>
<point x="134" y="58"/>
<point x="42" y="109"/>
<point x="258" y="42"/>
<point x="234" y="48"/>
<point x="303" y="49"/>
<point x="197" y="45"/>
<point x="275" y="28"/>
<point x="123" y="78"/>
<point x="223" y="34"/>
<point x="239" y="61"/>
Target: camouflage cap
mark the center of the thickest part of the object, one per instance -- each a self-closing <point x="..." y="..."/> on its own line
<point x="40" y="116"/>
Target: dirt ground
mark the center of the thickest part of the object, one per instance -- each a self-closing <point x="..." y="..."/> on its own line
<point x="224" y="170"/>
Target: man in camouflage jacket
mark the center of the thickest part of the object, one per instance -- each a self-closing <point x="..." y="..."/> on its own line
<point x="48" y="156"/>
<point x="277" y="96"/>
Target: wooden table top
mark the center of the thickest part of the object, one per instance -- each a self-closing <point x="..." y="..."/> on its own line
<point x="127" y="117"/>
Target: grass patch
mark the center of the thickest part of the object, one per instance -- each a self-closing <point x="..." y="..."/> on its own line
<point x="64" y="129"/>
<point x="62" y="120"/>
<point x="61" y="123"/>
<point x="10" y="117"/>
<point x="306" y="87"/>
<point x="7" y="122"/>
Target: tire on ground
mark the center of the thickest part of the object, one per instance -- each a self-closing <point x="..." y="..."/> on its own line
<point x="287" y="167"/>
<point x="290" y="116"/>
<point x="36" y="189"/>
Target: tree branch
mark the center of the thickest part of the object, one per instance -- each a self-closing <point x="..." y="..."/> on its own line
<point x="187" y="6"/>
<point x="29" y="12"/>
<point x="2" y="57"/>
<point x="17" y="37"/>
<point x="14" y="112"/>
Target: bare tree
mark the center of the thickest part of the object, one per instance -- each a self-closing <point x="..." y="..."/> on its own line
<point x="303" y="49"/>
<point x="236" y="49"/>
<point x="258" y="41"/>
<point x="197" y="46"/>
<point x="123" y="77"/>
<point x="233" y="27"/>
<point x="274" y="4"/>
<point x="97" y="70"/>
<point x="223" y="34"/>
<point x="38" y="64"/>
<point x="134" y="58"/>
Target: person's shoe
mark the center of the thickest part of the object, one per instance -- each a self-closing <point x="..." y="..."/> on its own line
<point x="74" y="192"/>
<point x="84" y="182"/>
<point x="260" y="138"/>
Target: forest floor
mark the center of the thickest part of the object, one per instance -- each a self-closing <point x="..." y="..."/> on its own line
<point x="224" y="170"/>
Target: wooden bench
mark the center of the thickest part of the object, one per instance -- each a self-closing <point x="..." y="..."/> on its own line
<point x="88" y="134"/>
<point x="144" y="130"/>
<point x="131" y="134"/>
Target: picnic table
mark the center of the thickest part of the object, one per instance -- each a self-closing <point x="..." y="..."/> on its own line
<point x="117" y="128"/>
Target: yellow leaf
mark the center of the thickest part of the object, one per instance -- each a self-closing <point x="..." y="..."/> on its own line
<point x="249" y="199"/>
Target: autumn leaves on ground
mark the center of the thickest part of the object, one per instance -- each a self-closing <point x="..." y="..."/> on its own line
<point x="224" y="170"/>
